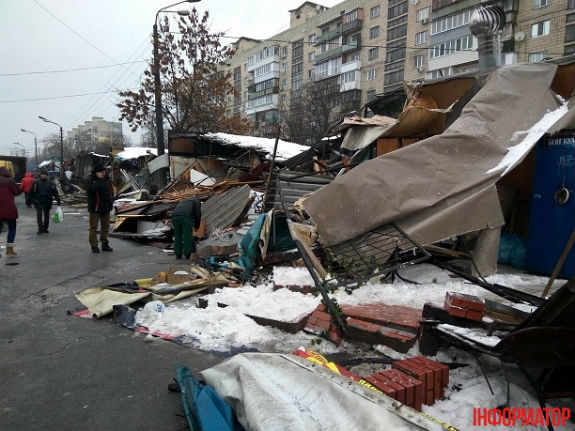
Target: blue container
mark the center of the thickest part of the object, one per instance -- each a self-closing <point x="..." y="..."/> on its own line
<point x="552" y="216"/>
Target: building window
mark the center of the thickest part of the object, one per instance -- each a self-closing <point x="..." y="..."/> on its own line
<point x="374" y="12"/>
<point x="397" y="10"/>
<point x="571" y="4"/>
<point x="421" y="37"/>
<point x="371" y="74"/>
<point x="374" y="32"/>
<point x="536" y="57"/>
<point x="311" y="38"/>
<point x="373" y="53"/>
<point x="418" y="61"/>
<point x="540" y="28"/>
<point x="311" y="56"/>
<point x="284" y="67"/>
<point x="347" y="77"/>
<point x="451" y="46"/>
<point x="570" y="31"/>
<point x="311" y="74"/>
<point x="370" y="95"/>
<point x="541" y="3"/>
<point x="393" y="77"/>
<point x="397" y="32"/>
<point x="450" y="22"/>
<point x="422" y="14"/>
<point x="569" y="49"/>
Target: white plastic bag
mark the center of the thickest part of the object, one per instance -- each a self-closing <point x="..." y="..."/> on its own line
<point x="58" y="216"/>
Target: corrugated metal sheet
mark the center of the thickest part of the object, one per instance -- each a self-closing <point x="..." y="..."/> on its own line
<point x="221" y="211"/>
<point x="294" y="185"/>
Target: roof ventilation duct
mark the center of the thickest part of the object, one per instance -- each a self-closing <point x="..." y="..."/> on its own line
<point x="486" y="24"/>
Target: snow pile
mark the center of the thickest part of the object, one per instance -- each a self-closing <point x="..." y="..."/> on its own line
<point x="230" y="330"/>
<point x="285" y="150"/>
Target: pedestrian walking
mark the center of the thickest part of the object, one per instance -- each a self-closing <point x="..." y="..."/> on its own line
<point x="26" y="184"/>
<point x="8" y="211"/>
<point x="100" y="203"/>
<point x="186" y="216"/>
<point x="43" y="192"/>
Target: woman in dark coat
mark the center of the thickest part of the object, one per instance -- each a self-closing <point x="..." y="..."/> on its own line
<point x="8" y="211"/>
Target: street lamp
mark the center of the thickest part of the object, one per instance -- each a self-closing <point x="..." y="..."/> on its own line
<point x="156" y="73"/>
<point x="35" y="144"/>
<point x="61" y="145"/>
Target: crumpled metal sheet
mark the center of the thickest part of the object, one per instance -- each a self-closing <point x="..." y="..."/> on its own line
<point x="454" y="168"/>
<point x="222" y="211"/>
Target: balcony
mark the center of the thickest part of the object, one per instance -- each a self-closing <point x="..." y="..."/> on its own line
<point x="352" y="26"/>
<point x="328" y="36"/>
<point x="351" y="65"/>
<point x="351" y="46"/>
<point x="270" y="59"/>
<point x="254" y="95"/>
<point x="335" y="52"/>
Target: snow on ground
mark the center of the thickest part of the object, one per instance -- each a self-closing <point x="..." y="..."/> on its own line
<point x="230" y="330"/>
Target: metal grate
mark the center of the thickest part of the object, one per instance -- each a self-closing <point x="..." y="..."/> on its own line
<point x="376" y="253"/>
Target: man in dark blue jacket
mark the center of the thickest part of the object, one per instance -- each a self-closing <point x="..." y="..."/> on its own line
<point x="43" y="192"/>
<point x="186" y="216"/>
<point x="100" y="202"/>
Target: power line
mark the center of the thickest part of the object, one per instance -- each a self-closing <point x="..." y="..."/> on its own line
<point x="71" y="70"/>
<point x="59" y="97"/>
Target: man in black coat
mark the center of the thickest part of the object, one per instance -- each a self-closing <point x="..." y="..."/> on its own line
<point x="42" y="193"/>
<point x="100" y="202"/>
<point x="186" y="216"/>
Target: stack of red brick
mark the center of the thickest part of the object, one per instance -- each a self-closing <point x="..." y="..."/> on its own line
<point x="391" y="325"/>
<point x="465" y="306"/>
<point x="413" y="381"/>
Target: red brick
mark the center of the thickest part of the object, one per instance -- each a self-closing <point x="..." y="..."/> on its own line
<point x="474" y="315"/>
<point x="409" y="387"/>
<point x="382" y="386"/>
<point x="444" y="368"/>
<point x="455" y="311"/>
<point x="462" y="300"/>
<point x="425" y="375"/>
<point x="437" y="380"/>
<point x="398" y="388"/>
<point x="391" y="316"/>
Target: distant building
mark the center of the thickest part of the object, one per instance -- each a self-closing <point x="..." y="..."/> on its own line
<point x="362" y="48"/>
<point x="97" y="135"/>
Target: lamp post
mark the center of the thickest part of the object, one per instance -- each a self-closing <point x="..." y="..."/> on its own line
<point x="61" y="145"/>
<point x="35" y="145"/>
<point x="157" y="83"/>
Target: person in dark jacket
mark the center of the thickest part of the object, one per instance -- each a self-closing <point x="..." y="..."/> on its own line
<point x="8" y="210"/>
<point x="26" y="184"/>
<point x="43" y="192"/>
<point x="100" y="202"/>
<point x="186" y="216"/>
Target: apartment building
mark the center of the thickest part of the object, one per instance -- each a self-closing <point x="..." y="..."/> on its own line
<point x="95" y="133"/>
<point x="364" y="48"/>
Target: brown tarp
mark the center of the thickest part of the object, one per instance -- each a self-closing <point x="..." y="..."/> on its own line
<point x="445" y="185"/>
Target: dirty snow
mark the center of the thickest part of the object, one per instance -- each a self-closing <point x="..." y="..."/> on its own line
<point x="230" y="330"/>
<point x="284" y="151"/>
<point x="531" y="136"/>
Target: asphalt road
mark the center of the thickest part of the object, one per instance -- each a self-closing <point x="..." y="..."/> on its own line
<point x="60" y="372"/>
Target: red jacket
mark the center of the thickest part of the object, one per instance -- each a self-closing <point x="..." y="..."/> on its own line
<point x="27" y="182"/>
<point x="8" y="189"/>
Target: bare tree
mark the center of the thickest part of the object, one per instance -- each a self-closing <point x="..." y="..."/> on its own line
<point x="311" y="112"/>
<point x="194" y="92"/>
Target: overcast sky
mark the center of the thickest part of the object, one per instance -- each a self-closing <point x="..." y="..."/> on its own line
<point x="95" y="35"/>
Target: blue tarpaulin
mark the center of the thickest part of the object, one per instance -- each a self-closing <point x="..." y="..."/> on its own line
<point x="205" y="409"/>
